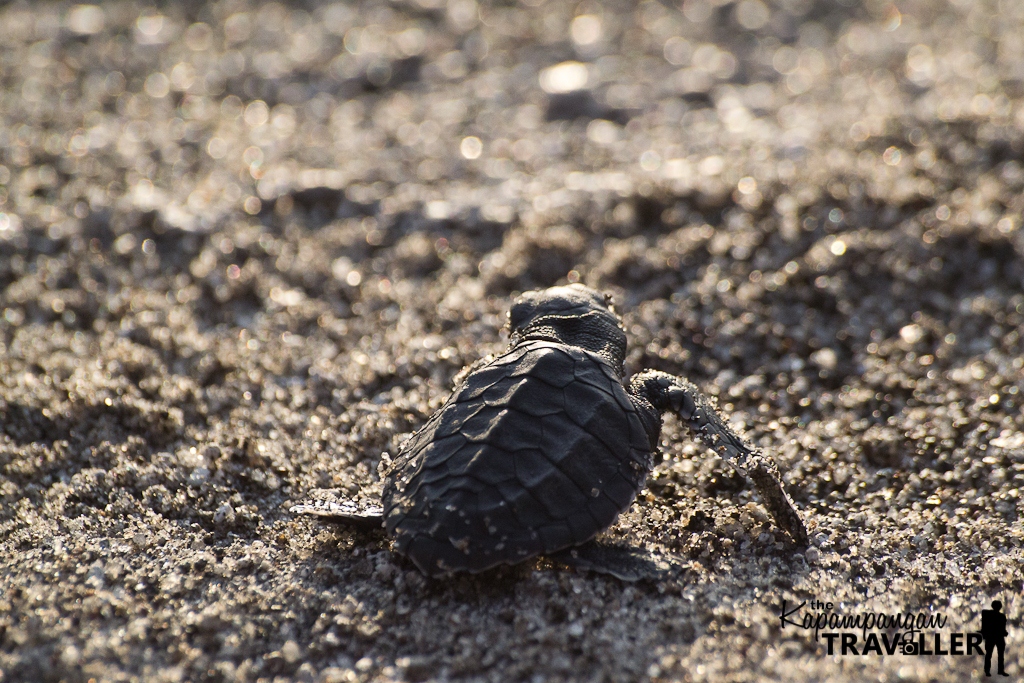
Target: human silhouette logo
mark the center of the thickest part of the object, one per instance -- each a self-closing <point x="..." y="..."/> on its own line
<point x="993" y="630"/>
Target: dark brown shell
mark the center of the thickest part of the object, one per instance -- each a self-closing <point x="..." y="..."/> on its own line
<point x="537" y="451"/>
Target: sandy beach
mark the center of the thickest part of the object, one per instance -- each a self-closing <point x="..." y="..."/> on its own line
<point x="245" y="247"/>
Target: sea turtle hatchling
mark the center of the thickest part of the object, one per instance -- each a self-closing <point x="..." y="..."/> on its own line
<point x="541" y="448"/>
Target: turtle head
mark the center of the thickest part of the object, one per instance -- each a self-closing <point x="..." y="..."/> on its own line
<point x="574" y="315"/>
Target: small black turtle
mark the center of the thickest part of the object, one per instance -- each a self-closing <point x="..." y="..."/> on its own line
<point x="540" y="449"/>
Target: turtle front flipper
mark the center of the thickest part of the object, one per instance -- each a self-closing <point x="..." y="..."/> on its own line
<point x="669" y="393"/>
<point x="361" y="514"/>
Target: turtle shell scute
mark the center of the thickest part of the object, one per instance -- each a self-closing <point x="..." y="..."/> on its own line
<point x="537" y="451"/>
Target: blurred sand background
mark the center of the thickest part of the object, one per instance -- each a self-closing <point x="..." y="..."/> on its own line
<point x="244" y="247"/>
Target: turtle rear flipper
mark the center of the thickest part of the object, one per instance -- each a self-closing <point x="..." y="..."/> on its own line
<point x="353" y="513"/>
<point x="622" y="562"/>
